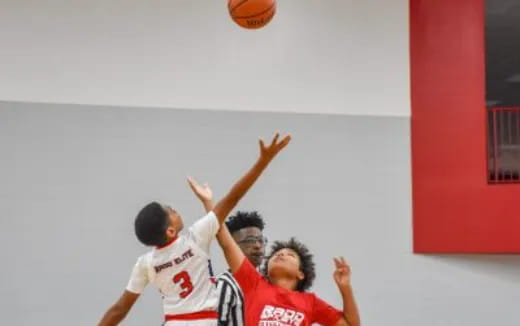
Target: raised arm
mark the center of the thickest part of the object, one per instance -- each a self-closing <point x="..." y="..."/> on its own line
<point x="342" y="278"/>
<point x="239" y="189"/>
<point x="234" y="255"/>
<point x="204" y="193"/>
<point x="232" y="252"/>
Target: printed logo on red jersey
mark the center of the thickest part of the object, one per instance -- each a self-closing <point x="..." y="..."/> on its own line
<point x="276" y="316"/>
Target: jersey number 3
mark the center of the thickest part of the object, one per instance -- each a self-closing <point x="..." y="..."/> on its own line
<point x="185" y="283"/>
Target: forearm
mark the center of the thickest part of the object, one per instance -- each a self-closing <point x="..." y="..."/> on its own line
<point x="119" y="310"/>
<point x="113" y="317"/>
<point x="350" y="310"/>
<point x="232" y="252"/>
<point x="209" y="205"/>
<point x="239" y="189"/>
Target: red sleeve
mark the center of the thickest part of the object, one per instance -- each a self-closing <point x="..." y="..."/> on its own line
<point x="247" y="276"/>
<point x="324" y="314"/>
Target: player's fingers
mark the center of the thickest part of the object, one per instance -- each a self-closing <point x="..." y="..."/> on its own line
<point x="261" y="142"/>
<point x="284" y="141"/>
<point x="275" y="139"/>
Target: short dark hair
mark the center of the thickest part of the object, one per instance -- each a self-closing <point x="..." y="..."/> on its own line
<point x="243" y="220"/>
<point x="151" y="224"/>
<point x="306" y="261"/>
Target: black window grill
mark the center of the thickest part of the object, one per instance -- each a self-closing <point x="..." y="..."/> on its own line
<point x="504" y="145"/>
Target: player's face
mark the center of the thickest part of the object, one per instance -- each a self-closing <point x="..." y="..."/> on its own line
<point x="252" y="242"/>
<point x="285" y="262"/>
<point x="175" y="219"/>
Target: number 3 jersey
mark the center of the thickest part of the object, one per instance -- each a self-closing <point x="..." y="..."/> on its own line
<point x="181" y="270"/>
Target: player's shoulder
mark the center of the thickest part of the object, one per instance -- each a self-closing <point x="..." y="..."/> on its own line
<point x="310" y="297"/>
<point x="143" y="261"/>
<point x="186" y="238"/>
<point x="209" y="217"/>
<point x="202" y="224"/>
<point x="146" y="257"/>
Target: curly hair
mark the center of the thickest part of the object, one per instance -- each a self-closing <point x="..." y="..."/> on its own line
<point x="307" y="265"/>
<point x="243" y="220"/>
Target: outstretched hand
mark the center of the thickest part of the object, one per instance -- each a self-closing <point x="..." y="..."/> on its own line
<point x="342" y="272"/>
<point x="269" y="152"/>
<point x="203" y="192"/>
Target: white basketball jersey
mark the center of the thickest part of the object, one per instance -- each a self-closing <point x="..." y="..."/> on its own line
<point x="180" y="270"/>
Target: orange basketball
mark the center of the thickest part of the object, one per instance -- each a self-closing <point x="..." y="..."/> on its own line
<point x="252" y="13"/>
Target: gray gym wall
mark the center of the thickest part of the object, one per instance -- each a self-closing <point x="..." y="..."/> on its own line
<point x="73" y="177"/>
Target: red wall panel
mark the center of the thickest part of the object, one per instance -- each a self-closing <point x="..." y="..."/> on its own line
<point x="454" y="208"/>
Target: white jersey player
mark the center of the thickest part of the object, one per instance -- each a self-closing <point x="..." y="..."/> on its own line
<point x="178" y="265"/>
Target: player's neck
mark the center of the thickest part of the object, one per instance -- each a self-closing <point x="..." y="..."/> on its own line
<point x="169" y="241"/>
<point x="285" y="282"/>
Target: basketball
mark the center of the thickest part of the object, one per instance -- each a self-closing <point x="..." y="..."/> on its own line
<point x="252" y="14"/>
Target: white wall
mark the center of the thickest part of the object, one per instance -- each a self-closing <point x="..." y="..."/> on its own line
<point x="333" y="56"/>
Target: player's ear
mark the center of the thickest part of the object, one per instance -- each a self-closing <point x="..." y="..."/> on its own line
<point x="171" y="232"/>
<point x="300" y="275"/>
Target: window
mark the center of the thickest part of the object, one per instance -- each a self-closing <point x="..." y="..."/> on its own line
<point x="503" y="90"/>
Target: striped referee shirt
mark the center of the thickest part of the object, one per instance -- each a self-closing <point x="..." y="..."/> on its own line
<point x="231" y="301"/>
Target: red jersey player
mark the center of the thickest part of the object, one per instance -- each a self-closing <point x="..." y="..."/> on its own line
<point x="178" y="265"/>
<point x="280" y="299"/>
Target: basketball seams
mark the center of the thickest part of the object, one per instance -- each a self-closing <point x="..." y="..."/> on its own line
<point x="237" y="5"/>
<point x="257" y="14"/>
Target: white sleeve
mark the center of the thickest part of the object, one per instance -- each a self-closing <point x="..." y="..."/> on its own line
<point x="139" y="278"/>
<point x="204" y="231"/>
